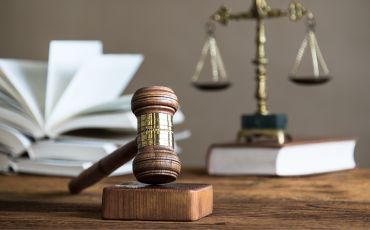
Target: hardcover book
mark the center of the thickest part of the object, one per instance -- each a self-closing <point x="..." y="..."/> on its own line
<point x="301" y="156"/>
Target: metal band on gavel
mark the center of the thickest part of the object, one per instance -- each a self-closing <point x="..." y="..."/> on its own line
<point x="155" y="129"/>
<point x="156" y="162"/>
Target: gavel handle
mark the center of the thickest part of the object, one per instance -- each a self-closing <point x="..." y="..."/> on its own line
<point x="104" y="167"/>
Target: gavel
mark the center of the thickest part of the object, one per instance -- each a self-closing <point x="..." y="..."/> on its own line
<point x="156" y="161"/>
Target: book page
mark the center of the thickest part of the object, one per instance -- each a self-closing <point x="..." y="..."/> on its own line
<point x="21" y="122"/>
<point x="4" y="150"/>
<point x="12" y="109"/>
<point x="7" y="88"/>
<point x="118" y="120"/>
<point x="100" y="80"/>
<point x="118" y="137"/>
<point x="8" y="102"/>
<point x="65" y="58"/>
<point x="121" y="104"/>
<point x="11" y="99"/>
<point x="57" y="167"/>
<point x="28" y="78"/>
<point x="70" y="150"/>
<point x="13" y="139"/>
<point x="50" y="167"/>
<point x="4" y="162"/>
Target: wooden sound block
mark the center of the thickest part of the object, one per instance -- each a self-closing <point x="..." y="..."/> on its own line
<point x="175" y="201"/>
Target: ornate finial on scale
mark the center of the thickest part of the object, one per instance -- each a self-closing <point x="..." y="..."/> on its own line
<point x="263" y="122"/>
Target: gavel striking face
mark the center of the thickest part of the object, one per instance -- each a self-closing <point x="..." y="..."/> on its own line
<point x="156" y="162"/>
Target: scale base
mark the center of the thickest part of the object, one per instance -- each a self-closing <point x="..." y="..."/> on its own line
<point x="279" y="135"/>
<point x="172" y="202"/>
<point x="270" y="121"/>
<point x="271" y="127"/>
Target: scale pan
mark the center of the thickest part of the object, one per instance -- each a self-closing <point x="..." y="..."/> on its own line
<point x="310" y="80"/>
<point x="212" y="86"/>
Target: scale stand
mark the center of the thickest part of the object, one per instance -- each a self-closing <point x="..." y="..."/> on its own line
<point x="271" y="127"/>
<point x="263" y="123"/>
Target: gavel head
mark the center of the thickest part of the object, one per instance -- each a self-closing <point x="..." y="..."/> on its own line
<point x="156" y="162"/>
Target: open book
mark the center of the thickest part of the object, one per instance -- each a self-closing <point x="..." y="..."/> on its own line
<point x="79" y="83"/>
<point x="78" y="88"/>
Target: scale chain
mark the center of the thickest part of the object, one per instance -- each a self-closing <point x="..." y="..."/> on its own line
<point x="213" y="53"/>
<point x="221" y="66"/>
<point x="218" y="67"/>
<point x="200" y="64"/>
<point x="316" y="55"/>
<point x="321" y="58"/>
<point x="300" y="54"/>
<point x="315" y="64"/>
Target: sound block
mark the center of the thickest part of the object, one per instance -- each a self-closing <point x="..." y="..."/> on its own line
<point x="175" y="201"/>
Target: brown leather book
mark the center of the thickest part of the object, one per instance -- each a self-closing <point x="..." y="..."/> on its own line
<point x="301" y="156"/>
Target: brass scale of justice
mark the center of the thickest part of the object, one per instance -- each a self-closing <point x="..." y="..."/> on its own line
<point x="263" y="123"/>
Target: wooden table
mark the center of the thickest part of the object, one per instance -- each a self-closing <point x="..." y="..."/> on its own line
<point x="336" y="200"/>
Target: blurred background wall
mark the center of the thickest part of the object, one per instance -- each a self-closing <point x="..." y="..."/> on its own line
<point x="171" y="34"/>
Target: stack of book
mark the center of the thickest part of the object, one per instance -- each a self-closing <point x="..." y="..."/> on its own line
<point x="61" y="116"/>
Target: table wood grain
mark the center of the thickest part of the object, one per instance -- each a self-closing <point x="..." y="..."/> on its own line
<point x="338" y="200"/>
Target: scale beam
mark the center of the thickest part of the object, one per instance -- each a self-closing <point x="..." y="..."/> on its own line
<point x="260" y="9"/>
